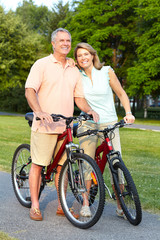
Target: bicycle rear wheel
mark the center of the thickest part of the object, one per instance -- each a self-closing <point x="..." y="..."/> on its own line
<point x="21" y="164"/>
<point x="129" y="198"/>
<point x="71" y="193"/>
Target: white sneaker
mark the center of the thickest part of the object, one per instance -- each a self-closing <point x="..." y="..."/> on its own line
<point x="120" y="213"/>
<point x="85" y="211"/>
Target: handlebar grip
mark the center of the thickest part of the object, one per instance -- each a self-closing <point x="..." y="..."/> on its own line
<point x="54" y="117"/>
<point x="88" y="132"/>
<point x="89" y="117"/>
<point x="86" y="116"/>
<point x="81" y="134"/>
<point x="122" y="123"/>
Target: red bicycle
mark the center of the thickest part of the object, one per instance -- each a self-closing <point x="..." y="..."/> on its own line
<point x="129" y="198"/>
<point x="72" y="183"/>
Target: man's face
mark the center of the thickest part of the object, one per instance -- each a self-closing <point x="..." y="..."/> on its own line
<point x="62" y="43"/>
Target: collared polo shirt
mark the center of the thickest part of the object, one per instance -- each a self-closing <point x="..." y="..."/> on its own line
<point x="56" y="88"/>
<point x="99" y="95"/>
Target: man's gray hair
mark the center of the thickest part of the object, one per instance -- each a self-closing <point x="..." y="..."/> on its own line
<point x="53" y="35"/>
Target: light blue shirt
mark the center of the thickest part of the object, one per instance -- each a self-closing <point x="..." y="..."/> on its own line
<point x="99" y="95"/>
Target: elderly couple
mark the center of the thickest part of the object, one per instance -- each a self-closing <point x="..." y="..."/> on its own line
<point x="52" y="86"/>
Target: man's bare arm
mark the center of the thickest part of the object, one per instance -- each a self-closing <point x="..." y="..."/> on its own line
<point x="32" y="99"/>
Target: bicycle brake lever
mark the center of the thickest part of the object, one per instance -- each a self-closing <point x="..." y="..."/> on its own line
<point x="89" y="117"/>
<point x="56" y="119"/>
<point x="122" y="123"/>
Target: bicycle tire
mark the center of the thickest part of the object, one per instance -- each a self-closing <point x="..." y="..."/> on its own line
<point x="21" y="165"/>
<point x="20" y="174"/>
<point x="129" y="198"/>
<point x="93" y="189"/>
<point x="72" y="198"/>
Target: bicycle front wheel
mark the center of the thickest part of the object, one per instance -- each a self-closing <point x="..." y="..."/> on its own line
<point x="21" y="164"/>
<point x="128" y="196"/>
<point x="75" y="185"/>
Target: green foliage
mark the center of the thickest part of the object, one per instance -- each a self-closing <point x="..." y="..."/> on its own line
<point x="109" y="26"/>
<point x="19" y="48"/>
<point x="144" y="77"/>
<point x="59" y="13"/>
<point x="125" y="34"/>
<point x="36" y="18"/>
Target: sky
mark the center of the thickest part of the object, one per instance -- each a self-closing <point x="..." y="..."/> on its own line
<point x="13" y="4"/>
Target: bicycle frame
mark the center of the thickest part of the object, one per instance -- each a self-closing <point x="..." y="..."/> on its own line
<point x="105" y="148"/>
<point x="67" y="134"/>
<point x="67" y="145"/>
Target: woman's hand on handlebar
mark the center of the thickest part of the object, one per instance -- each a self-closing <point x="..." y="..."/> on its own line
<point x="94" y="114"/>
<point x="44" y="117"/>
<point x="129" y="118"/>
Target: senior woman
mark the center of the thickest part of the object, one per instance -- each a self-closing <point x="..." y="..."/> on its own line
<point x="99" y="82"/>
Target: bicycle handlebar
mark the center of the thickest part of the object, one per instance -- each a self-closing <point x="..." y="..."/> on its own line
<point x="119" y="124"/>
<point x="82" y="117"/>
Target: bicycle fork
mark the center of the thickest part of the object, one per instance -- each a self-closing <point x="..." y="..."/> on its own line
<point x="112" y="162"/>
<point x="71" y="148"/>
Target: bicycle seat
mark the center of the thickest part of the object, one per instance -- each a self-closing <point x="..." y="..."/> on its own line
<point x="29" y="117"/>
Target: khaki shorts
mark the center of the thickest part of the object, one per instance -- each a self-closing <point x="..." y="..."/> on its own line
<point x="89" y="144"/>
<point x="44" y="147"/>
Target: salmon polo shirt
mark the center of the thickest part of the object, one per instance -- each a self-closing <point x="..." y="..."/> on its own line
<point x="56" y="88"/>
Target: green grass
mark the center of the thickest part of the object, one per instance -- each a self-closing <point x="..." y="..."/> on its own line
<point x="151" y="122"/>
<point x="141" y="154"/>
<point x="4" y="236"/>
<point x="13" y="132"/>
<point x="140" y="151"/>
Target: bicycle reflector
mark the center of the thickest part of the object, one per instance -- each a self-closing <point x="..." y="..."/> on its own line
<point x="94" y="178"/>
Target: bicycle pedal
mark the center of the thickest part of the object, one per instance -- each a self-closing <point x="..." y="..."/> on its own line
<point x="28" y="199"/>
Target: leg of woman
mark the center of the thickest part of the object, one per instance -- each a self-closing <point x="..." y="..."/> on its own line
<point x="88" y="144"/>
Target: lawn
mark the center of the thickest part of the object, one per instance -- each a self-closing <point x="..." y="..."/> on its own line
<point x="140" y="151"/>
<point x="5" y="236"/>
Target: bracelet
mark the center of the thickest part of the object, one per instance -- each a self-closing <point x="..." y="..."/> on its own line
<point x="128" y="113"/>
<point x="90" y="110"/>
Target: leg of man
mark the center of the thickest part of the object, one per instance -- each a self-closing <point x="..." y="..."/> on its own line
<point x="42" y="148"/>
<point x="34" y="183"/>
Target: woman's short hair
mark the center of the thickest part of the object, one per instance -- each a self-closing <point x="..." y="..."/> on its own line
<point x="96" y="62"/>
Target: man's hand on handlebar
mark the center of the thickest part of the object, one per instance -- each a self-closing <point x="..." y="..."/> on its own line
<point x="44" y="117"/>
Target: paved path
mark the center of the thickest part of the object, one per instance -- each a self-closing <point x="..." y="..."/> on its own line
<point x="11" y="114"/>
<point x="144" y="127"/>
<point x="14" y="220"/>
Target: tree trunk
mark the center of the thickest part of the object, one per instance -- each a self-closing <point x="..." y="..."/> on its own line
<point x="145" y="106"/>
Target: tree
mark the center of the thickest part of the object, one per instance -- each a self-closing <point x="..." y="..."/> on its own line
<point x="36" y="18"/>
<point x="109" y="26"/>
<point x="19" y="48"/>
<point x="41" y="20"/>
<point x="144" y="76"/>
<point x="59" y="12"/>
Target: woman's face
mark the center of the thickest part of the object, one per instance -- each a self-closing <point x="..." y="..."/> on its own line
<point x="84" y="58"/>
